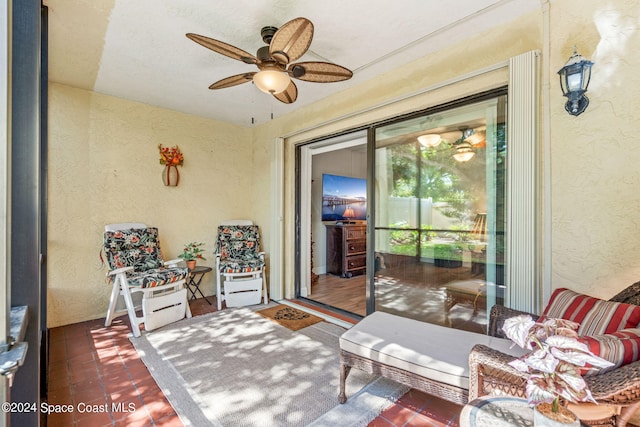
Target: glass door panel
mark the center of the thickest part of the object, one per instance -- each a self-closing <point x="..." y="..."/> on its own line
<point x="439" y="214"/>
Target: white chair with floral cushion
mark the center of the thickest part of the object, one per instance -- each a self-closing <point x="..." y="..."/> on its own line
<point x="135" y="262"/>
<point x="240" y="265"/>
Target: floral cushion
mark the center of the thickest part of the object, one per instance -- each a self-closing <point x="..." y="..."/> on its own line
<point x="241" y="266"/>
<point x="137" y="247"/>
<point x="239" y="242"/>
<point x="239" y="247"/>
<point x="157" y="277"/>
<point x="140" y="248"/>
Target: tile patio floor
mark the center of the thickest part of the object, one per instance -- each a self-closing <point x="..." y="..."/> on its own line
<point x="97" y="366"/>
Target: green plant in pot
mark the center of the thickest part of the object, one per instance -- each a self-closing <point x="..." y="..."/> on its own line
<point x="554" y="365"/>
<point x="191" y="253"/>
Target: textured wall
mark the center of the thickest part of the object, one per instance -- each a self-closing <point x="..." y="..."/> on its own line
<point x="104" y="168"/>
<point x="594" y="178"/>
<point x="98" y="144"/>
<point x="594" y="157"/>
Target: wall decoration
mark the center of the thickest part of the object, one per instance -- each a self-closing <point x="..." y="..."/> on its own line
<point x="171" y="158"/>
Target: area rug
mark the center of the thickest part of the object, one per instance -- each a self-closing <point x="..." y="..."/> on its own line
<point x="237" y="368"/>
<point x="289" y="317"/>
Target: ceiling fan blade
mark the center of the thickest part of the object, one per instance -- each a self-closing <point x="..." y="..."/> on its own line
<point x="291" y="41"/>
<point x="232" y="81"/>
<point x="319" y="72"/>
<point x="289" y="95"/>
<point x="223" y="48"/>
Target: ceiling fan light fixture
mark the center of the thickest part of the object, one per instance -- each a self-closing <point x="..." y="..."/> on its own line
<point x="271" y="81"/>
<point x="429" y="140"/>
<point x="463" y="152"/>
<point x="285" y="45"/>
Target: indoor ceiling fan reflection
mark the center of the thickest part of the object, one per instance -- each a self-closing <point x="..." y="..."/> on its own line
<point x="463" y="150"/>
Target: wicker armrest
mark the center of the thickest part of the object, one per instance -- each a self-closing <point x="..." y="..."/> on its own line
<point x="630" y="295"/>
<point x="620" y="386"/>
<point x="490" y="374"/>
<point x="499" y="314"/>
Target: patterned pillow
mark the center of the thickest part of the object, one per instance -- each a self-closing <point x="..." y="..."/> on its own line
<point x="594" y="315"/>
<point x="136" y="247"/>
<point x="238" y="242"/>
<point x="620" y="348"/>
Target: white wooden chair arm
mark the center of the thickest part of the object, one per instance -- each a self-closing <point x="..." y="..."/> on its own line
<point x="173" y="262"/>
<point x="119" y="270"/>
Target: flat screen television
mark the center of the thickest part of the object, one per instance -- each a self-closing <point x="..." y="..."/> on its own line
<point x="344" y="198"/>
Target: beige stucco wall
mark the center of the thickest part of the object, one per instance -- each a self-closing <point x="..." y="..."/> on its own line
<point x="103" y="156"/>
<point x="594" y="156"/>
<point x="588" y="191"/>
<point x="104" y="168"/>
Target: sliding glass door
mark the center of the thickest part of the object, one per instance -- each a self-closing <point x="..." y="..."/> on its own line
<point x="439" y="196"/>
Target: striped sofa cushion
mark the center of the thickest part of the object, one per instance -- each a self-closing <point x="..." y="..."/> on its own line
<point x="594" y="315"/>
<point x="620" y="348"/>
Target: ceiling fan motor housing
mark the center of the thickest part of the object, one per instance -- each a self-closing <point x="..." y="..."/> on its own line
<point x="267" y="34"/>
<point x="263" y="54"/>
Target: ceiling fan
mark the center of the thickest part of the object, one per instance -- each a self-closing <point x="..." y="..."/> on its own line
<point x="276" y="61"/>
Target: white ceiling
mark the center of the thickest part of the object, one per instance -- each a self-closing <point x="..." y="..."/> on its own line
<point x="137" y="49"/>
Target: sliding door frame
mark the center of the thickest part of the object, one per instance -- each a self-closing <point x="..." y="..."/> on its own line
<point x="304" y="168"/>
<point x="523" y="86"/>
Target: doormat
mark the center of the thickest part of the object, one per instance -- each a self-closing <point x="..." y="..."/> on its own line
<point x="289" y="317"/>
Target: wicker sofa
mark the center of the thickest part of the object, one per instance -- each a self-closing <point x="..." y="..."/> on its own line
<point x="617" y="391"/>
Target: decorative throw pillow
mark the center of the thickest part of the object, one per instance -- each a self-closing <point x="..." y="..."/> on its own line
<point x="620" y="348"/>
<point x="594" y="315"/>
<point x="136" y="247"/>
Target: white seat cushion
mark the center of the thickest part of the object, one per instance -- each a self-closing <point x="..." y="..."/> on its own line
<point x="431" y="351"/>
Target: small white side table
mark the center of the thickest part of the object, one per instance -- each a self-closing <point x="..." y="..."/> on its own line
<point x="497" y="411"/>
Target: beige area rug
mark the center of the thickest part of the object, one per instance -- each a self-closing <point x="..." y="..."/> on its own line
<point x="289" y="317"/>
<point x="237" y="368"/>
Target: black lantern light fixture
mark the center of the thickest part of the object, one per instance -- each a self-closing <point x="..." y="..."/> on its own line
<point x="574" y="81"/>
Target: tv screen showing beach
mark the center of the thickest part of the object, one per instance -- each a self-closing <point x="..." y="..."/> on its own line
<point x="344" y="198"/>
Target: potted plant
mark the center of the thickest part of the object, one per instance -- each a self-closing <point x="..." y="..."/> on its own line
<point x="554" y="366"/>
<point x="191" y="253"/>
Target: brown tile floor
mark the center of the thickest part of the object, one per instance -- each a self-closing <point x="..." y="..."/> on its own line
<point x="92" y="367"/>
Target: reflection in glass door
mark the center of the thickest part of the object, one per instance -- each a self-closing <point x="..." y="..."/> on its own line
<point x="440" y="214"/>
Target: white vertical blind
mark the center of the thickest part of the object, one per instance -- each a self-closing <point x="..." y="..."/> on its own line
<point x="522" y="254"/>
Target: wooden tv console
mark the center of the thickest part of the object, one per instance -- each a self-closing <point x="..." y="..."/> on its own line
<point x="346" y="249"/>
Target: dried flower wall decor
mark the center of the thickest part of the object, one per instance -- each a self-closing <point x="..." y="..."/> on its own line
<point x="171" y="158"/>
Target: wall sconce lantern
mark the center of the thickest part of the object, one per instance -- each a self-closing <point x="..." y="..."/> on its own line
<point x="574" y="81"/>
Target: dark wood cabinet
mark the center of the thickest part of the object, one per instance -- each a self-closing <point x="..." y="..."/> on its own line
<point x="346" y="249"/>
